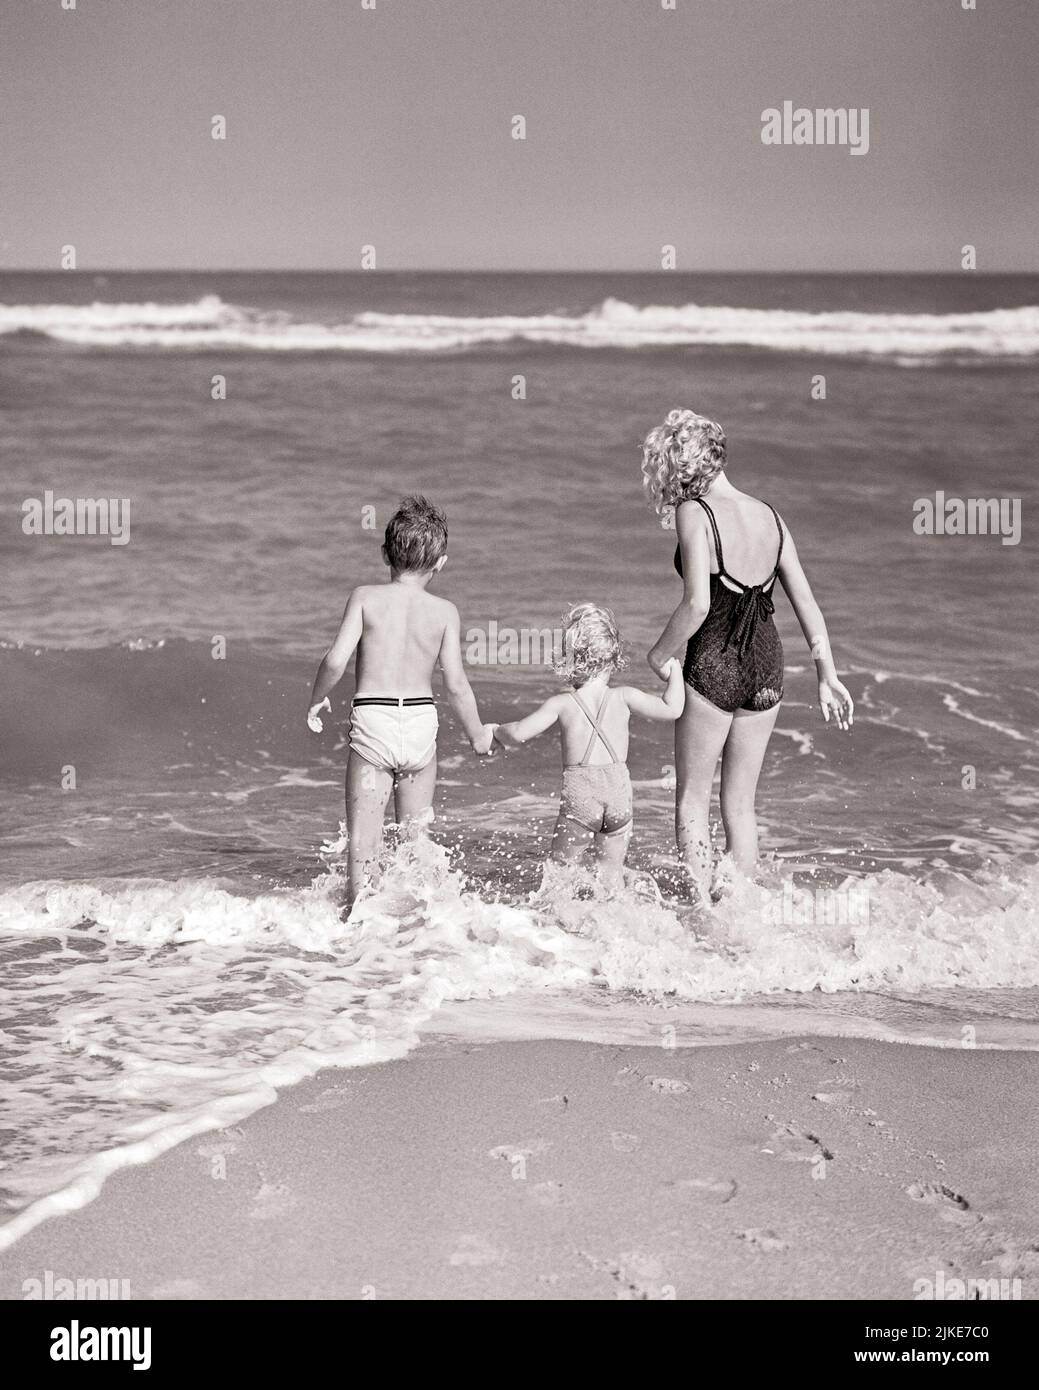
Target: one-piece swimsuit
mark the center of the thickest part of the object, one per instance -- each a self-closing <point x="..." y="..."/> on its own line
<point x="735" y="658"/>
<point x="597" y="796"/>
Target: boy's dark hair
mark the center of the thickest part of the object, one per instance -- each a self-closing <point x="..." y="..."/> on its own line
<point x="416" y="536"/>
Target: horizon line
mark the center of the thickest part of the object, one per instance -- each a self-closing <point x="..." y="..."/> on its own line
<point x="479" y="270"/>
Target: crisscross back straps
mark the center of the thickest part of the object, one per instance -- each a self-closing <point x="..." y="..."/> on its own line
<point x="597" y="731"/>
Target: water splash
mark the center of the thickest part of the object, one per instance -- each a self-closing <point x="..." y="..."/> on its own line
<point x="142" y="1012"/>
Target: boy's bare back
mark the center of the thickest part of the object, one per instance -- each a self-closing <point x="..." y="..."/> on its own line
<point x="402" y="633"/>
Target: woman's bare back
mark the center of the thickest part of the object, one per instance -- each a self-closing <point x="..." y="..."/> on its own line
<point x="749" y="538"/>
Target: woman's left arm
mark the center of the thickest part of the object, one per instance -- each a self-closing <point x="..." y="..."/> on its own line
<point x="695" y="603"/>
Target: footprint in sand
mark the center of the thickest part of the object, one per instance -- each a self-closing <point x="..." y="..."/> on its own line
<point x="627" y="1074"/>
<point x="720" y="1190"/>
<point x="508" y="1153"/>
<point x="624" y="1143"/>
<point x="221" y="1144"/>
<point x="638" y="1276"/>
<point x="949" y="1204"/>
<point x="644" y="1276"/>
<point x="792" y="1145"/>
<point x="1016" y="1260"/>
<point x="762" y="1239"/>
<point x="271" y="1201"/>
<point x="475" y="1250"/>
<point x="218" y="1148"/>
<point x="335" y="1098"/>
<point x="667" y="1085"/>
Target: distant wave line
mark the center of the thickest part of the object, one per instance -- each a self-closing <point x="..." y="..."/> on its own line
<point x="209" y="322"/>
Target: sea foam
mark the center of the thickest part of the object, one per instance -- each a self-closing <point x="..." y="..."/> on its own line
<point x="209" y="322"/>
<point x="141" y="1013"/>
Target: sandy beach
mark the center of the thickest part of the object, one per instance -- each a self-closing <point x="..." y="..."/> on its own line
<point x="809" y="1168"/>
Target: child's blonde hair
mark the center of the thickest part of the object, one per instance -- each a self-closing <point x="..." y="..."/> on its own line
<point x="591" y="643"/>
<point x="681" y="459"/>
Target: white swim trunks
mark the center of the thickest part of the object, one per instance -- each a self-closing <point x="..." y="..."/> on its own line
<point x="398" y="735"/>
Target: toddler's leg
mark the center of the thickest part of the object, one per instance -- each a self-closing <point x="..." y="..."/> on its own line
<point x="367" y="791"/>
<point x="611" y="851"/>
<point x="570" y="840"/>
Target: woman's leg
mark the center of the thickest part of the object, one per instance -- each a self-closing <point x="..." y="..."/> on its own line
<point x="700" y="735"/>
<point x="741" y="764"/>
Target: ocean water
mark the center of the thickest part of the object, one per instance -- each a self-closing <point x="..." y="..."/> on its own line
<point x="171" y="950"/>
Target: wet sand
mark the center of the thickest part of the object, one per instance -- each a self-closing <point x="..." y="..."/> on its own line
<point x="788" y="1169"/>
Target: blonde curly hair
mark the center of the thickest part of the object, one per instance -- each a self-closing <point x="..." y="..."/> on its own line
<point x="681" y="459"/>
<point x="591" y="643"/>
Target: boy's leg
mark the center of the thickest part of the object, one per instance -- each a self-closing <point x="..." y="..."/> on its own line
<point x="413" y="795"/>
<point x="367" y="791"/>
<point x="570" y="840"/>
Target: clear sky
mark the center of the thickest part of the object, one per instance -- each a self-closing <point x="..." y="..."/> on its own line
<point x="392" y="127"/>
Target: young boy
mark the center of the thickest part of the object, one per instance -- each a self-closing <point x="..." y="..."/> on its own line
<point x="400" y="633"/>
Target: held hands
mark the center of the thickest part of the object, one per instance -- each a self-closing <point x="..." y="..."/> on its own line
<point x="661" y="668"/>
<point x="834" y="699"/>
<point x="314" y="723"/>
<point x="483" y="744"/>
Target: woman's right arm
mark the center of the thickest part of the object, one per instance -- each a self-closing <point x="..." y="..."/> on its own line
<point x="695" y="603"/>
<point x="833" y="696"/>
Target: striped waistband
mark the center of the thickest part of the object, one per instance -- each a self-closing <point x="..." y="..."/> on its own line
<point x="397" y="701"/>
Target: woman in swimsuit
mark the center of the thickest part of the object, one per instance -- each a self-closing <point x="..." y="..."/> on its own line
<point x="733" y="658"/>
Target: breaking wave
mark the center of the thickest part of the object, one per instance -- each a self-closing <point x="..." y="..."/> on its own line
<point x="909" y="339"/>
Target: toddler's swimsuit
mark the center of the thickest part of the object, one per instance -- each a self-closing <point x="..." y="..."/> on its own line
<point x="735" y="659"/>
<point x="597" y="798"/>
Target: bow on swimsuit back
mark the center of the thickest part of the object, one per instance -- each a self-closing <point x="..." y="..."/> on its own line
<point x="735" y="658"/>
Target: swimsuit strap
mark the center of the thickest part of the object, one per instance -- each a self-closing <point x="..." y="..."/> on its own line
<point x="718" y="548"/>
<point x="779" y="527"/>
<point x="717" y="534"/>
<point x="596" y="730"/>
